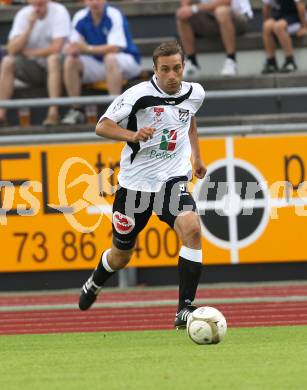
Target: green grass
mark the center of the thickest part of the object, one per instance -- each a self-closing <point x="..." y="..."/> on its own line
<point x="255" y="358"/>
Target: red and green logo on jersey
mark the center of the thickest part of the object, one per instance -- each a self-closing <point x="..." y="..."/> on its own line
<point x="168" y="140"/>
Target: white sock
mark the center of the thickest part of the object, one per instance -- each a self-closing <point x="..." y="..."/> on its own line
<point x="104" y="261"/>
<point x="195" y="255"/>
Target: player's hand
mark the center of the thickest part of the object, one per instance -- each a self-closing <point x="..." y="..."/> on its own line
<point x="71" y="49"/>
<point x="30" y="53"/>
<point x="199" y="169"/>
<point x="143" y="134"/>
<point x="301" y="32"/>
<point x="184" y="12"/>
<point x="82" y="47"/>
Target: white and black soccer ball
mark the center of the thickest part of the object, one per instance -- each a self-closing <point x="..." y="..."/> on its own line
<point x="206" y="325"/>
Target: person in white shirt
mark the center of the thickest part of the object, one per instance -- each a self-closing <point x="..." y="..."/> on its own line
<point x="281" y="21"/>
<point x="157" y="120"/>
<point x="211" y="18"/>
<point x="36" y="39"/>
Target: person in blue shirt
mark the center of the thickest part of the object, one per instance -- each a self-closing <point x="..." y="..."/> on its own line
<point x="101" y="48"/>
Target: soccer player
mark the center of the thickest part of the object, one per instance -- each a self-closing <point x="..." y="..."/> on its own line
<point x="156" y="119"/>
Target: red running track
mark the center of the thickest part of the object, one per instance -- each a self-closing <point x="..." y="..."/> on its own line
<point x="245" y="314"/>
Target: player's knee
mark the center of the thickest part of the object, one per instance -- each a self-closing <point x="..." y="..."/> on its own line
<point x="110" y="60"/>
<point x="70" y="63"/>
<point x="268" y="26"/>
<point x="222" y="13"/>
<point x="53" y="61"/>
<point x="180" y="18"/>
<point x="193" y="232"/>
<point x="280" y="27"/>
<point x="190" y="229"/>
<point x="8" y="63"/>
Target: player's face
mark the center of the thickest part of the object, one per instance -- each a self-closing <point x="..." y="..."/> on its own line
<point x="40" y="7"/>
<point x="95" y="5"/>
<point x="168" y="71"/>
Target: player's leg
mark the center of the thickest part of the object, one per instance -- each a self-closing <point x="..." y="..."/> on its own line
<point x="7" y="76"/>
<point x="283" y="36"/>
<point x="74" y="68"/>
<point x="179" y="212"/>
<point x="114" y="74"/>
<point x="270" y="65"/>
<point x="112" y="260"/>
<point x="54" y="85"/>
<point x="131" y="212"/>
<point x="230" y="24"/>
<point x="186" y="35"/>
<point x="223" y="15"/>
<point x="198" y="25"/>
<point x="187" y="226"/>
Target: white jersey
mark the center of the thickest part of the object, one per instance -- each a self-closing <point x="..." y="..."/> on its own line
<point x="146" y="166"/>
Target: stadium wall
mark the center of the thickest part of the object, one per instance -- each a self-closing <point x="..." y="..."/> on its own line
<point x="53" y="232"/>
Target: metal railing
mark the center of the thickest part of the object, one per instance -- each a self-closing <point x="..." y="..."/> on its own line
<point x="216" y="131"/>
<point x="98" y="99"/>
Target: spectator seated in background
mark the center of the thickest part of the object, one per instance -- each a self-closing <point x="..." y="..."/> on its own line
<point x="36" y="39"/>
<point x="211" y="18"/>
<point x="281" y="19"/>
<point x="101" y="48"/>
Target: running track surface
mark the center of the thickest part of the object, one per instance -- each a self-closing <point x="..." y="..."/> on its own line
<point x="146" y="309"/>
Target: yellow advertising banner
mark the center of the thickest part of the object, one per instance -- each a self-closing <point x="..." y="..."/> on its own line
<point x="56" y="208"/>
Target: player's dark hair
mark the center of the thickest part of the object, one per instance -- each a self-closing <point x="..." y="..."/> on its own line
<point x="168" y="48"/>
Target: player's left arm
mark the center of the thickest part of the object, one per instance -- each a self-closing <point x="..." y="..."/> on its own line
<point x="198" y="165"/>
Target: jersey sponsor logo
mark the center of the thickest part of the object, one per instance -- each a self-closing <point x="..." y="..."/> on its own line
<point x="158" y="111"/>
<point x="183" y="115"/>
<point x="122" y="223"/>
<point x="168" y="140"/>
<point x="161" y="155"/>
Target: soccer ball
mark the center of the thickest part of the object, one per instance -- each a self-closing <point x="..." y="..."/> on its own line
<point x="206" y="325"/>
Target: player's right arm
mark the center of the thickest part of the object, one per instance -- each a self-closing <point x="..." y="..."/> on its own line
<point x="109" y="129"/>
<point x="114" y="122"/>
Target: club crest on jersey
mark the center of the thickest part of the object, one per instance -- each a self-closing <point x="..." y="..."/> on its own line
<point x="122" y="223"/>
<point x="183" y="115"/>
<point x="168" y="140"/>
<point x="158" y="111"/>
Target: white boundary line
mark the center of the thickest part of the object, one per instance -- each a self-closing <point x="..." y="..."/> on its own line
<point x="158" y="303"/>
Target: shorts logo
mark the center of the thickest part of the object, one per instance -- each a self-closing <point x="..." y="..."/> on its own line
<point x="183" y="189"/>
<point x="168" y="140"/>
<point x="122" y="223"/>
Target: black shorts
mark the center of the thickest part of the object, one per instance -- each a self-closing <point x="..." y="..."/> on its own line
<point x="289" y="18"/>
<point x="132" y="209"/>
